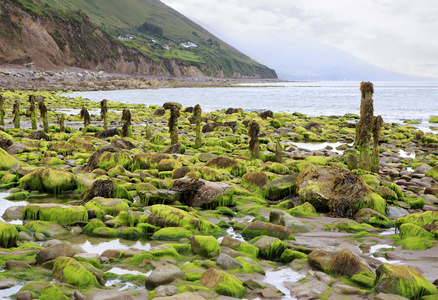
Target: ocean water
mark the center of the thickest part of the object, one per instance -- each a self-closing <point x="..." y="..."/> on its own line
<point x="394" y="101"/>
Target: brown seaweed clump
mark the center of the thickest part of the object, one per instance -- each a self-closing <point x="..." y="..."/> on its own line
<point x="94" y="158"/>
<point x="100" y="188"/>
<point x="5" y="144"/>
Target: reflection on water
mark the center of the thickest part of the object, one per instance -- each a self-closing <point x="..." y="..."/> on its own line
<point x="5" y="204"/>
<point x="120" y="271"/>
<point x="278" y="277"/>
<point x="320" y="146"/>
<point x="7" y="293"/>
<point x="99" y="247"/>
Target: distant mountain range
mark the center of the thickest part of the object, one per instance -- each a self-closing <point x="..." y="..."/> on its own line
<point x="130" y="36"/>
<point x="300" y="58"/>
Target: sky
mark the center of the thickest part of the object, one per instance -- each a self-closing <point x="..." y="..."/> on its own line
<point x="397" y="35"/>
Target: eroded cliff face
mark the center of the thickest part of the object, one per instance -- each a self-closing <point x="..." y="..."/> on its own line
<point x="55" y="39"/>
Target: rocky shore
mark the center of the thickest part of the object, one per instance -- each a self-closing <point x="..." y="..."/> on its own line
<point x="209" y="221"/>
<point x="74" y="79"/>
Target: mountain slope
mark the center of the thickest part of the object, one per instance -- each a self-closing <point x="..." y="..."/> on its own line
<point x="52" y="35"/>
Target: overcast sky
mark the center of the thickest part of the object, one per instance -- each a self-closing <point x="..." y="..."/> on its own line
<point x="398" y="35"/>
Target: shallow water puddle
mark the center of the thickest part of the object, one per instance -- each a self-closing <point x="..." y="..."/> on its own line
<point x="5" y="204"/>
<point x="120" y="271"/>
<point x="319" y="146"/>
<point x="126" y="285"/>
<point x="278" y="277"/>
<point x="405" y="154"/>
<point x="231" y="233"/>
<point x="7" y="293"/>
<point x="114" y="244"/>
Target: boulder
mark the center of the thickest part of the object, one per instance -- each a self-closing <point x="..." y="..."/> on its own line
<point x="259" y="179"/>
<point x="159" y="196"/>
<point x="337" y="191"/>
<point x="402" y="280"/>
<point x="6" y="160"/>
<point x="223" y="283"/>
<point x="281" y="217"/>
<point x="202" y="193"/>
<point x="80" y="274"/>
<point x="8" y="235"/>
<point x="270" y="247"/>
<point x="343" y="263"/>
<point x="58" y="213"/>
<point x="64" y="249"/>
<point x="204" y="245"/>
<point x="369" y="216"/>
<point x="49" y="179"/>
<point x="182" y="296"/>
<point x="427" y="220"/>
<point x="164" y="275"/>
<point x="259" y="228"/>
<point x="226" y="262"/>
<point x="281" y="188"/>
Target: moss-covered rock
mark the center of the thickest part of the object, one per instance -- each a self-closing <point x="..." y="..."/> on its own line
<point x="369" y="216"/>
<point x="49" y="179"/>
<point x="281" y="188"/>
<point x="303" y="210"/>
<point x="289" y="255"/>
<point x="8" y="235"/>
<point x="93" y="224"/>
<point x="111" y="206"/>
<point x="427" y="220"/>
<point x="223" y="283"/>
<point x="402" y="280"/>
<point x="58" y="213"/>
<point x="80" y="274"/>
<point x="270" y="247"/>
<point x="258" y="179"/>
<point x="167" y="216"/>
<point x="259" y="228"/>
<point x="204" y="245"/>
<point x="341" y="263"/>
<point x="412" y="237"/>
<point x="172" y="233"/>
<point x="337" y="191"/>
<point x="6" y="160"/>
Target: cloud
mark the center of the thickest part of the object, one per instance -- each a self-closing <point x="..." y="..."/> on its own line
<point x="397" y="35"/>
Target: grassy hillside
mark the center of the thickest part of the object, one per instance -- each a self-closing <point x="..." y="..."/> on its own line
<point x="123" y="18"/>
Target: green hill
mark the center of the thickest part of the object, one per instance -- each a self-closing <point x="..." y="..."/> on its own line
<point x="161" y="37"/>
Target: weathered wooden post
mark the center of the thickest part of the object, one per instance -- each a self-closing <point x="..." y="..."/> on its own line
<point x="253" y="133"/>
<point x="104" y="113"/>
<point x="197" y="112"/>
<point x="173" y="125"/>
<point x="32" y="112"/>
<point x="2" y="111"/>
<point x="127" y="128"/>
<point x="43" y="111"/>
<point x="375" y="155"/>
<point x="61" y="123"/>
<point x="278" y="151"/>
<point x="364" y="127"/>
<point x="16" y="112"/>
<point x="87" y="120"/>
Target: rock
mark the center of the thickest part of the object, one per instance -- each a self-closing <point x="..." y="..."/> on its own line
<point x="337" y="191"/>
<point x="386" y="193"/>
<point x="166" y="290"/>
<point x="259" y="228"/>
<point x="8" y="235"/>
<point x="86" y="256"/>
<point x="13" y="213"/>
<point x="385" y="296"/>
<point x="24" y="295"/>
<point x="204" y="245"/>
<point x="49" y="179"/>
<point x="259" y="179"/>
<point x="39" y="236"/>
<point x="58" y="213"/>
<point x="402" y="280"/>
<point x="182" y="296"/>
<point x="270" y="247"/>
<point x="395" y="212"/>
<point x="80" y="274"/>
<point x="6" y="283"/>
<point x="318" y="283"/>
<point x="226" y="262"/>
<point x="78" y="295"/>
<point x="16" y="265"/>
<point x="223" y="283"/>
<point x="159" y="196"/>
<point x="230" y="251"/>
<point x="343" y="263"/>
<point x="208" y="193"/>
<point x="427" y="220"/>
<point x="111" y="295"/>
<point x="52" y="252"/>
<point x="280" y="217"/>
<point x="24" y="236"/>
<point x="16" y="148"/>
<point x="369" y="216"/>
<point x="204" y="157"/>
<point x="164" y="275"/>
<point x="281" y="188"/>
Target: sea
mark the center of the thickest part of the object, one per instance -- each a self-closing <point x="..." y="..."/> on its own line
<point x="396" y="101"/>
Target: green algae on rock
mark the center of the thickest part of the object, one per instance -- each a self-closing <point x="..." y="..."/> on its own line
<point x="337" y="191"/>
<point x="58" y="213"/>
<point x="172" y="233"/>
<point x="80" y="274"/>
<point x="258" y="228"/>
<point x="168" y="216"/>
<point x="49" y="179"/>
<point x="204" y="245"/>
<point x="6" y="160"/>
<point x="427" y="220"/>
<point x="8" y="235"/>
<point x="402" y="280"/>
<point x="223" y="283"/>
